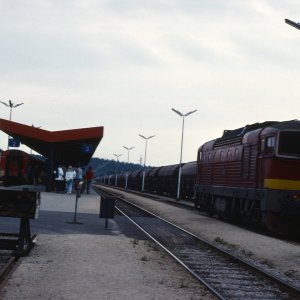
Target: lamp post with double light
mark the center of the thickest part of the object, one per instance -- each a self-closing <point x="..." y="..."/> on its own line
<point x="117" y="156"/>
<point x="128" y="150"/>
<point x="146" y="142"/>
<point x="292" y="23"/>
<point x="11" y="105"/>
<point x="181" y="148"/>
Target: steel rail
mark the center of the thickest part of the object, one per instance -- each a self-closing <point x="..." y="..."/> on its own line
<point x="238" y="260"/>
<point x="187" y="204"/>
<point x="13" y="257"/>
<point x="105" y="193"/>
<point x="173" y="256"/>
<point x="6" y="270"/>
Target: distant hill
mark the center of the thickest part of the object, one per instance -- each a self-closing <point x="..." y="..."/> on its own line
<point x="107" y="167"/>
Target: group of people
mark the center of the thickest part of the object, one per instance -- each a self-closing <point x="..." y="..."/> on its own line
<point x="70" y="178"/>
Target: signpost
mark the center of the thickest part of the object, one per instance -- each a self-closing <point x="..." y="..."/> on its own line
<point x="87" y="148"/>
<point x="13" y="143"/>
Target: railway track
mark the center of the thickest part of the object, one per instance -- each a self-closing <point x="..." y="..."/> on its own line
<point x="10" y="254"/>
<point x="225" y="275"/>
<point x="188" y="204"/>
<point x="7" y="263"/>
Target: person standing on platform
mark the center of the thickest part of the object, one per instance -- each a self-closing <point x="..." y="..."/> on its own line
<point x="30" y="174"/>
<point x="78" y="178"/>
<point x="36" y="175"/>
<point x="59" y="179"/>
<point x="83" y="187"/>
<point x="89" y="175"/>
<point x="70" y="175"/>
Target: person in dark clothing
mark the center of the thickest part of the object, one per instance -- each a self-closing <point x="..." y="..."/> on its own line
<point x="36" y="175"/>
<point x="89" y="175"/>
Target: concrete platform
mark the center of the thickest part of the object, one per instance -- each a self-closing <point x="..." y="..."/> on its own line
<point x="88" y="261"/>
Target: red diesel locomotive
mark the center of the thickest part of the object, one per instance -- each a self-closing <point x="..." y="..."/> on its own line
<point x="253" y="173"/>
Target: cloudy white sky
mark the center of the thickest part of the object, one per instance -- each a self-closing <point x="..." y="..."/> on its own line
<point x="123" y="64"/>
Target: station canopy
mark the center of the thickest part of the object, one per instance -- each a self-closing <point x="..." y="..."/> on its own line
<point x="68" y="147"/>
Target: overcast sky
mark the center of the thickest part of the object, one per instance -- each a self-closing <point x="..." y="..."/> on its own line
<point x="123" y="64"/>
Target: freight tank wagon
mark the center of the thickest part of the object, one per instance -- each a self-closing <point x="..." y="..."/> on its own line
<point x="253" y="173"/>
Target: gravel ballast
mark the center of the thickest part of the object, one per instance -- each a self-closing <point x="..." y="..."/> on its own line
<point x="277" y="256"/>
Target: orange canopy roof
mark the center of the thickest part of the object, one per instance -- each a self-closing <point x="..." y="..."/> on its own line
<point x="74" y="146"/>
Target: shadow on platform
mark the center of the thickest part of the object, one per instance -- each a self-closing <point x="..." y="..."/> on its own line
<point x="56" y="223"/>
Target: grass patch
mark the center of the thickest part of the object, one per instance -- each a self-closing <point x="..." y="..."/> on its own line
<point x="247" y="253"/>
<point x="290" y="273"/>
<point x="135" y="242"/>
<point x="183" y="284"/>
<point x="268" y="263"/>
<point x="221" y="242"/>
<point x="202" y="246"/>
<point x="145" y="258"/>
<point x="151" y="245"/>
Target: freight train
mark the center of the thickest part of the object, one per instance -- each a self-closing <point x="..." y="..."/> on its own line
<point x="18" y="167"/>
<point x="250" y="173"/>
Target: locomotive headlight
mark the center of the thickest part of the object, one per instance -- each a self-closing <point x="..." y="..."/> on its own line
<point x="293" y="197"/>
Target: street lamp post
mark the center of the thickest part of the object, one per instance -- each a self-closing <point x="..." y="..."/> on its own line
<point x="146" y="142"/>
<point x="11" y="105"/>
<point x="146" y="139"/>
<point x="182" y="131"/>
<point x="117" y="156"/>
<point x="128" y="149"/>
<point x="292" y="23"/>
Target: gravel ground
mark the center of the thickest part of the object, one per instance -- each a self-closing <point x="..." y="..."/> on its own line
<point x="274" y="255"/>
<point x="90" y="262"/>
<point x="73" y="261"/>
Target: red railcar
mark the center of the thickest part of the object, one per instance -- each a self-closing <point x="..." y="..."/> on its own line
<point x="253" y="173"/>
<point x="18" y="167"/>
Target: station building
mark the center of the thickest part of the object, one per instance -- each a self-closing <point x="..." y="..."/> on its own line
<point x="67" y="147"/>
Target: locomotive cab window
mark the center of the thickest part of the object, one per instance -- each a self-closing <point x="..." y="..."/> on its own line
<point x="270" y="144"/>
<point x="289" y="144"/>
